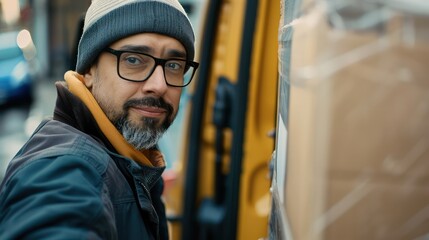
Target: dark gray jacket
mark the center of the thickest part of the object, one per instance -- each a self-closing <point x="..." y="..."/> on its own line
<point x="65" y="184"/>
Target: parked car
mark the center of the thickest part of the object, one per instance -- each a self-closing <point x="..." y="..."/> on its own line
<point x="16" y="80"/>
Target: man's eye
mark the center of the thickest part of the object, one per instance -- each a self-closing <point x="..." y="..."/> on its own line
<point x="132" y="60"/>
<point x="174" y="65"/>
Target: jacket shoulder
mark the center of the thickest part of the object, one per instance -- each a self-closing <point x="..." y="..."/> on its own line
<point x="55" y="140"/>
<point x="63" y="196"/>
<point x="57" y="176"/>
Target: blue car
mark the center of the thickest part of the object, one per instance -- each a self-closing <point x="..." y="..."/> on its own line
<point x="15" y="76"/>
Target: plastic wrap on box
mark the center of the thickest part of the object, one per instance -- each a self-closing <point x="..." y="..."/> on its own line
<point x="357" y="164"/>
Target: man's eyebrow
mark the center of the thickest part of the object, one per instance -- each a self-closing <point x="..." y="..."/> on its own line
<point x="173" y="53"/>
<point x="137" y="48"/>
<point x="176" y="54"/>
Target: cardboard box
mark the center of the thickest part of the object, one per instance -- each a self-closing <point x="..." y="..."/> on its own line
<point x="358" y="132"/>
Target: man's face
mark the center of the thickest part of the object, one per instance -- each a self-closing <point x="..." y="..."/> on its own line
<point x="141" y="111"/>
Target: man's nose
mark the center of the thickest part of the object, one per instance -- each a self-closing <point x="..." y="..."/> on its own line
<point x="156" y="83"/>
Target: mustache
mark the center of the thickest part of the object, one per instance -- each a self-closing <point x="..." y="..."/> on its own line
<point x="151" y="102"/>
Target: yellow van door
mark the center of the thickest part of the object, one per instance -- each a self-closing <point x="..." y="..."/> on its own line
<point x="223" y="177"/>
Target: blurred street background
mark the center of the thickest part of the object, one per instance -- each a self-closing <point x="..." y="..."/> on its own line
<point x="18" y="120"/>
<point x="37" y="45"/>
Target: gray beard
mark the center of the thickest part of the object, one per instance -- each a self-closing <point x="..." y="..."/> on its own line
<point x="141" y="138"/>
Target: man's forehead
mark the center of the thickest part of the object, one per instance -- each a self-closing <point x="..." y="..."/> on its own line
<point x="151" y="43"/>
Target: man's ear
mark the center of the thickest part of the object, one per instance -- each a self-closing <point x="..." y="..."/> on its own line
<point x="89" y="77"/>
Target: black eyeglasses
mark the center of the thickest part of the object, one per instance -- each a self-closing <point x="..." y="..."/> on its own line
<point x="138" y="67"/>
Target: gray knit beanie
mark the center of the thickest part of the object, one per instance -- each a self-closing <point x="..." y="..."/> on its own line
<point x="108" y="21"/>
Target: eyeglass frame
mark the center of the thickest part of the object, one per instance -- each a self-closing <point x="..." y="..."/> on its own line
<point x="158" y="61"/>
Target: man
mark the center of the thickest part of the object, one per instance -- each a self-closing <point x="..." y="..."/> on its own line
<point x="93" y="171"/>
